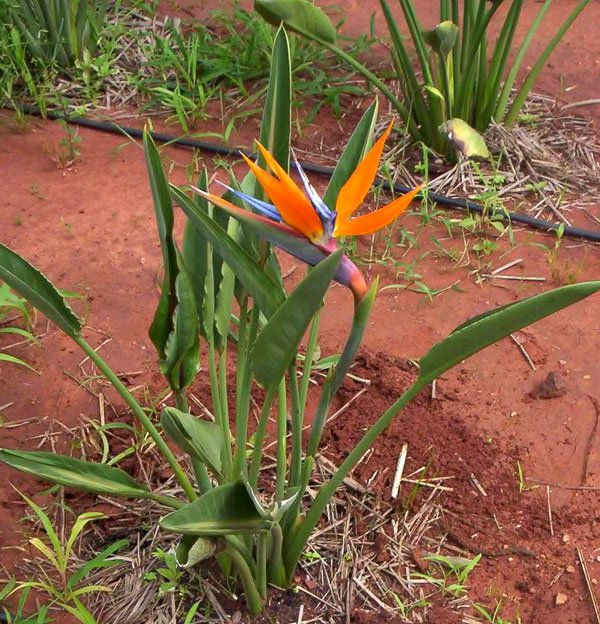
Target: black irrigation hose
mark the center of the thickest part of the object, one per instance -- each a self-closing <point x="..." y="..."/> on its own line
<point x="207" y="146"/>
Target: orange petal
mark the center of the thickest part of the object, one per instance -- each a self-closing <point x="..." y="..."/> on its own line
<point x="293" y="206"/>
<point x="358" y="184"/>
<point x="369" y="223"/>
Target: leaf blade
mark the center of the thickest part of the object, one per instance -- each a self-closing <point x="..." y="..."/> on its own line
<point x="278" y="342"/>
<point x="34" y="286"/>
<point x="226" y="509"/>
<point x="70" y="472"/>
<point x="467" y="339"/>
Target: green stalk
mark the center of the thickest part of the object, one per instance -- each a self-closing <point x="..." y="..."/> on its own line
<point x="200" y="472"/>
<point x="281" y="441"/>
<point x="444" y="10"/>
<point x="259" y="437"/>
<point x="261" y="564"/>
<point x="167" y="501"/>
<point x="498" y="65"/>
<point x="235" y="542"/>
<point x="416" y="32"/>
<point x="294" y="550"/>
<point x="463" y="96"/>
<point x="243" y="392"/>
<point x="227" y="460"/>
<point x="309" y="356"/>
<point x="240" y="381"/>
<point x="142" y="417"/>
<point x="518" y="102"/>
<point x="277" y="574"/>
<point x="251" y="593"/>
<point x="297" y="416"/>
<point x="406" y="75"/>
<point x="464" y="40"/>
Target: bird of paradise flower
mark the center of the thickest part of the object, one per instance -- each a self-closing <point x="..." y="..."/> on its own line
<point x="302" y="225"/>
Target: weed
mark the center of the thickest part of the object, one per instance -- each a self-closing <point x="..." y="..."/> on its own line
<point x="170" y="574"/>
<point x="523" y="486"/>
<point x="63" y="586"/>
<point x="34" y="189"/>
<point x="493" y="614"/>
<point x="455" y="570"/>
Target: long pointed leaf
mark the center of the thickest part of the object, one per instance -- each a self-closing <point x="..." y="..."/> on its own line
<point x="198" y="438"/>
<point x="266" y="294"/>
<point x="34" y="286"/>
<point x="278" y="342"/>
<point x="162" y="324"/>
<point x="181" y="361"/>
<point x="87" y="476"/>
<point x="225" y="510"/>
<point x="355" y="150"/>
<point x="491" y="327"/>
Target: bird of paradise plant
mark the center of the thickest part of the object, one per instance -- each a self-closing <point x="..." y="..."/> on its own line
<point x="302" y="224"/>
<point x="223" y="287"/>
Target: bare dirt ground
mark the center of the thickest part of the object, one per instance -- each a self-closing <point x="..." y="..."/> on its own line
<point x="91" y="230"/>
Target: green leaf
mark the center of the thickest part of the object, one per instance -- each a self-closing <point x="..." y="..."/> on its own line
<point x="297" y="15"/>
<point x="101" y="560"/>
<point x="278" y="342"/>
<point x="534" y="72"/>
<point x="490" y="327"/>
<point x="195" y="254"/>
<point x="198" y="438"/>
<point x="11" y="359"/>
<point x="225" y="510"/>
<point x="435" y="92"/>
<point x="465" y="139"/>
<point x="162" y="324"/>
<point x="275" y="130"/>
<point x="182" y="350"/>
<point x="30" y="283"/>
<point x="442" y="38"/>
<point x="354" y="151"/>
<point x="225" y="293"/>
<point x="87" y="476"/>
<point x="263" y="290"/>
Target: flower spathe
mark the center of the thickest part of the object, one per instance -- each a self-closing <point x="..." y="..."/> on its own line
<point x="301" y="224"/>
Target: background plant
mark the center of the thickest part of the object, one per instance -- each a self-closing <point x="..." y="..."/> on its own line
<point x="462" y="81"/>
<point x="58" y="31"/>
<point x="223" y="287"/>
<point x="14" y="308"/>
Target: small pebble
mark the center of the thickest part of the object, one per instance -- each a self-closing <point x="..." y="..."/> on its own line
<point x="566" y="538"/>
<point x="570" y="569"/>
<point x="560" y="599"/>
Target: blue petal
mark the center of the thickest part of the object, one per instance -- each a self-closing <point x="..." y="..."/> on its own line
<point x="263" y="207"/>
<point x="318" y="204"/>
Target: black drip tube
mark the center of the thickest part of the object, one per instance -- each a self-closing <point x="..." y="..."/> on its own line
<point x="207" y="146"/>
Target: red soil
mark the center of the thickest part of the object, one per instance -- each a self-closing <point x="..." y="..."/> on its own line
<point x="91" y="229"/>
